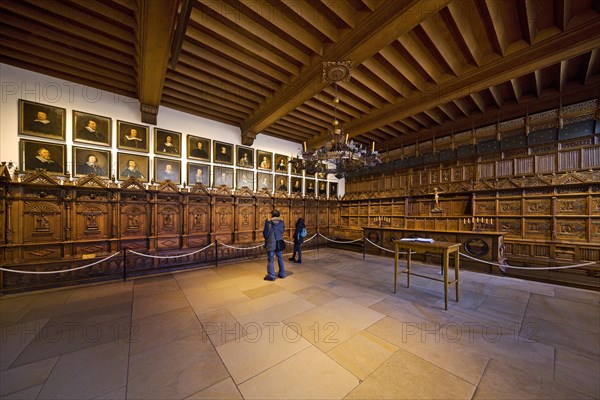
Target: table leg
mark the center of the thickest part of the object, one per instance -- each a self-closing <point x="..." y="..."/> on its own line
<point x="407" y="268"/>
<point x="456" y="258"/>
<point x="445" y="266"/>
<point x="395" y="270"/>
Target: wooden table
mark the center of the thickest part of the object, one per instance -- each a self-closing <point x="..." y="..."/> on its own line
<point x="444" y="248"/>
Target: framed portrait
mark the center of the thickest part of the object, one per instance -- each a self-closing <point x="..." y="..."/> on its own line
<point x="198" y="148"/>
<point x="296" y="166"/>
<point x="244" y="156"/>
<point x="244" y="178"/>
<point x="281" y="183"/>
<point x="167" y="169"/>
<point x="223" y="176"/>
<point x="133" y="165"/>
<point x="333" y="189"/>
<point x="198" y="173"/>
<point x="322" y="187"/>
<point x="264" y="160"/>
<point x="132" y="136"/>
<point x="91" y="161"/>
<point x="296" y="185"/>
<point x="49" y="156"/>
<point x="92" y="128"/>
<point x="167" y="142"/>
<point x="310" y="186"/>
<point x="264" y="181"/>
<point x="223" y="153"/>
<point x="281" y="163"/>
<point x="41" y="120"/>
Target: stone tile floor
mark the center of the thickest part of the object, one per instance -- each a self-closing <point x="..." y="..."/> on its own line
<point x="333" y="329"/>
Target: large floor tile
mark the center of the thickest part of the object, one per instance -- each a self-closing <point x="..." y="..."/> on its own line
<point x="362" y="354"/>
<point x="25" y="377"/>
<point x="578" y="373"/>
<point x="276" y="313"/>
<point x="88" y="373"/>
<point x="206" y="300"/>
<point x="259" y="350"/>
<point x="316" y="295"/>
<point x="15" y="338"/>
<point x="406" y="376"/>
<point x="501" y="381"/>
<point x="310" y="374"/>
<point x="571" y="313"/>
<point x="174" y="371"/>
<point x="261" y="303"/>
<point x="224" y="390"/>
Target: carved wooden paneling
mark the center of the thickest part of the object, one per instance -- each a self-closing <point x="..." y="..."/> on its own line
<point x="538" y="227"/>
<point x="92" y="221"/>
<point x="576" y="206"/>
<point x="509" y="207"/>
<point x="571" y="230"/>
<point x="42" y="222"/>
<point x="510" y="226"/>
<point x="569" y="160"/>
<point x="537" y="207"/>
<point x="223" y="217"/>
<point x="487" y="207"/>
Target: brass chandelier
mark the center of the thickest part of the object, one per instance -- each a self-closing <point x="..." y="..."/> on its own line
<point x="337" y="156"/>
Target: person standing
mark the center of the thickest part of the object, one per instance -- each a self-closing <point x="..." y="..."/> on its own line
<point x="298" y="240"/>
<point x="273" y="233"/>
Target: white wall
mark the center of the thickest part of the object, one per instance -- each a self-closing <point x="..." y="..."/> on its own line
<point x="18" y="84"/>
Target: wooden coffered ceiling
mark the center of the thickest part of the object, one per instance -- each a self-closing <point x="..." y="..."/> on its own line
<point x="422" y="69"/>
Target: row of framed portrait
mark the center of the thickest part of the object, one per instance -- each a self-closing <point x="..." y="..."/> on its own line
<point x="41" y="120"/>
<point x="52" y="157"/>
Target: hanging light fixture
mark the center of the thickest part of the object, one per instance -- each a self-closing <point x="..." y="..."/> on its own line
<point x="337" y="156"/>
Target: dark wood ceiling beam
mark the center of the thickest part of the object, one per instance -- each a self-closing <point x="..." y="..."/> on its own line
<point x="228" y="70"/>
<point x="434" y="115"/>
<point x="342" y="9"/>
<point x="496" y="96"/>
<point x="78" y="19"/>
<point x="446" y="110"/>
<point x="209" y="102"/>
<point x="462" y="106"/>
<point x="249" y="45"/>
<point x="374" y="86"/>
<point x="376" y="31"/>
<point x="320" y="116"/>
<point x="312" y="17"/>
<point x="49" y="34"/>
<point x="527" y="17"/>
<point x="538" y="82"/>
<point x="563" y="73"/>
<point x="347" y="101"/>
<point x="270" y="15"/>
<point x="399" y="127"/>
<point x="294" y="127"/>
<point x="326" y="109"/>
<point x="457" y="17"/>
<point x="156" y="24"/>
<point x="516" y="89"/>
<point x="363" y="95"/>
<point x="103" y="10"/>
<point x="376" y="68"/>
<point x="549" y="100"/>
<point x="246" y="23"/>
<point x="433" y="73"/>
<point x="562" y="14"/>
<point x="478" y="100"/>
<point x="32" y="63"/>
<point x="420" y="118"/>
<point x="42" y="18"/>
<point x="204" y="112"/>
<point x="593" y="60"/>
<point x="248" y="61"/>
<point x="302" y="116"/>
<point x="40" y="45"/>
<point x="441" y="45"/>
<point x="493" y="23"/>
<point x="302" y="122"/>
<point x="213" y="84"/>
<point x="201" y="97"/>
<point x="285" y="133"/>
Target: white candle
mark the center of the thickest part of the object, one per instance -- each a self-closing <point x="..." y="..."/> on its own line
<point x="304" y="146"/>
<point x="373" y="146"/>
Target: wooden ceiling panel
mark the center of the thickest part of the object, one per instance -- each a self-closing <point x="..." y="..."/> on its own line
<point x="421" y="68"/>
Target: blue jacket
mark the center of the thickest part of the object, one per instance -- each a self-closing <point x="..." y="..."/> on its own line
<point x="272" y="232"/>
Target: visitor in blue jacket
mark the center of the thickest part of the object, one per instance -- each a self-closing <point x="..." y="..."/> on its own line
<point x="273" y="234"/>
<point x="298" y="240"/>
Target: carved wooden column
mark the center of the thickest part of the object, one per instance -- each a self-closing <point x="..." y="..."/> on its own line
<point x="168" y="216"/>
<point x="264" y="206"/>
<point x="244" y="216"/>
<point x="281" y="203"/>
<point x="222" y="215"/>
<point x="198" y="215"/>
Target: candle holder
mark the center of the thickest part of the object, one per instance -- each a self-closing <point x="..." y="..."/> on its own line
<point x="382" y="221"/>
<point x="479" y="223"/>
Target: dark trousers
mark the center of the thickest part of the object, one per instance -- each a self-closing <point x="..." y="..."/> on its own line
<point x="297" y="249"/>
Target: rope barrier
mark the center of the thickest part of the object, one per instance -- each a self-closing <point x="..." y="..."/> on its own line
<point x="175" y="256"/>
<point x="242" y="248"/>
<point x="61" y="271"/>
<point x="337" y="241"/>
<point x="382" y="248"/>
<point x="503" y="267"/>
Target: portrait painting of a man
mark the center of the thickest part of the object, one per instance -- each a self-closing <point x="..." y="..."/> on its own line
<point x="132" y="136"/>
<point x="167" y="142"/>
<point x="198" y="148"/>
<point x="133" y="165"/>
<point x="223" y="153"/>
<point x="50" y="157"/>
<point x="42" y="120"/>
<point x="198" y="173"/>
<point x="91" y="128"/>
<point x="91" y="161"/>
<point x="165" y="169"/>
